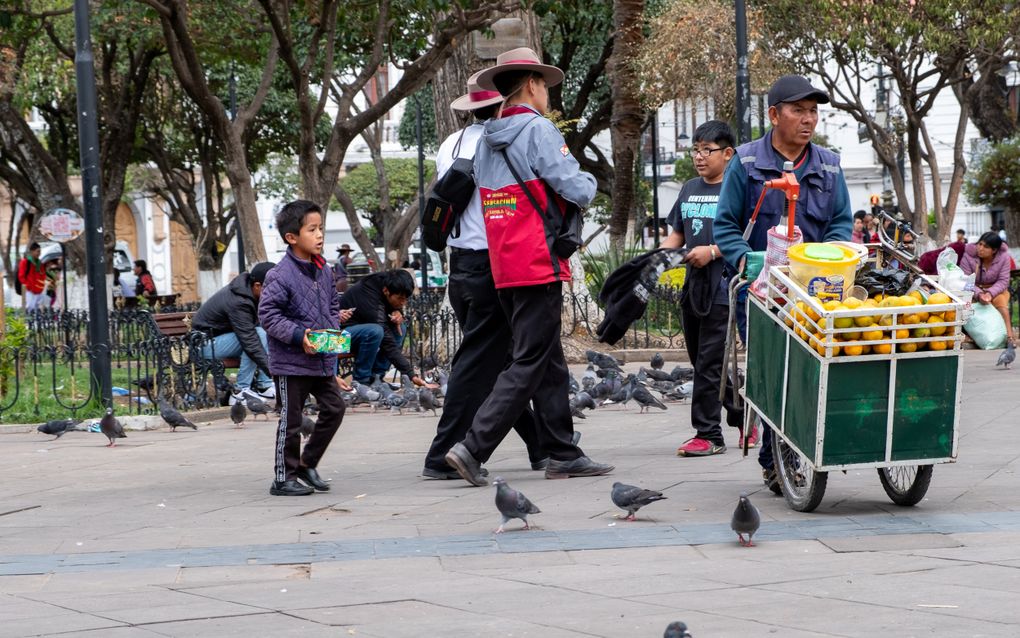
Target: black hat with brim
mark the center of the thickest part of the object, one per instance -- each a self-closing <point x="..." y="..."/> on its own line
<point x="793" y="88"/>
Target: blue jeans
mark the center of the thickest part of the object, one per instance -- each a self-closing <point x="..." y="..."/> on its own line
<point x="368" y="360"/>
<point x="227" y="346"/>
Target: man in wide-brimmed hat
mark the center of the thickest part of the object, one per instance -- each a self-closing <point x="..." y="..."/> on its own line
<point x="486" y="331"/>
<point x="526" y="176"/>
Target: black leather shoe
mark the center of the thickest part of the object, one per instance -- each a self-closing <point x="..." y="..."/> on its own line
<point x="445" y="475"/>
<point x="289" y="488"/>
<point x="467" y="467"/>
<point x="311" y="477"/>
<point x="581" y="466"/>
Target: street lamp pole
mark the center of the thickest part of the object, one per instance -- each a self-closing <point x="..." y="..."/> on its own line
<point x="743" y="77"/>
<point x="421" y="191"/>
<point x="655" y="175"/>
<point x="95" y="248"/>
<point x="237" y="212"/>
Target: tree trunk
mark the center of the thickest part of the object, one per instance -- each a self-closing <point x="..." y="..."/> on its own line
<point x="1011" y="219"/>
<point x="451" y="79"/>
<point x="627" y="117"/>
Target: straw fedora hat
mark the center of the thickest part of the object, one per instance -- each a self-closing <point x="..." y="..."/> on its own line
<point x="476" y="97"/>
<point x="522" y="59"/>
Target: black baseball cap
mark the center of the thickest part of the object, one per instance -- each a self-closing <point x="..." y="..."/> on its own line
<point x="791" y="88"/>
<point x="258" y="273"/>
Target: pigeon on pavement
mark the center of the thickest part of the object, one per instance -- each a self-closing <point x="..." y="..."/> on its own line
<point x="676" y="629"/>
<point x="111" y="428"/>
<point x="658" y="375"/>
<point x="657" y="361"/>
<point x="602" y="360"/>
<point x="174" y="418"/>
<point x="256" y="405"/>
<point x="427" y="399"/>
<point x="584" y="400"/>
<point x="1008" y="356"/>
<point x="682" y="373"/>
<point x="512" y="504"/>
<point x="746" y="520"/>
<point x="307" y="425"/>
<point x="645" y="399"/>
<point x="238" y="413"/>
<point x="58" y="428"/>
<point x="633" y="498"/>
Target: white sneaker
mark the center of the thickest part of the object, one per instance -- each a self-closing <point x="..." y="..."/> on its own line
<point x="268" y="392"/>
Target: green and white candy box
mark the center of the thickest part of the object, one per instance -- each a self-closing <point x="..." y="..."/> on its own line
<point x="329" y="341"/>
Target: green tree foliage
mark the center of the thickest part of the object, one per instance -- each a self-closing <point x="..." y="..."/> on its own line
<point x="408" y="134"/>
<point x="995" y="182"/>
<point x="923" y="49"/>
<point x="362" y="184"/>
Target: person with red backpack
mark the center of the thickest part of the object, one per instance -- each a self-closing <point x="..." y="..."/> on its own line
<point x="32" y="277"/>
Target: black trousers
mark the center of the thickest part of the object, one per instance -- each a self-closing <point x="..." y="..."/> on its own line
<point x="706" y="342"/>
<point x="537" y="373"/>
<point x="293" y="392"/>
<point x="483" y="352"/>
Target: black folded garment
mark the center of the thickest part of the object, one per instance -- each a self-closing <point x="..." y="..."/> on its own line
<point x="626" y="291"/>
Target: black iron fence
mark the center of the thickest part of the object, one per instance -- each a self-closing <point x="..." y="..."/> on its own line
<point x="44" y="357"/>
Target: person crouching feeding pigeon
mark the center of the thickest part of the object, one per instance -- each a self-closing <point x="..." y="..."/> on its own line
<point x="299" y="295"/>
<point x="525" y="176"/>
<point x="704" y="301"/>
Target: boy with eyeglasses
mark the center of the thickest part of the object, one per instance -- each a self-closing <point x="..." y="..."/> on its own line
<point x="704" y="304"/>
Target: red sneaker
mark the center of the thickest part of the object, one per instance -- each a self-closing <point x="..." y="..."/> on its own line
<point x="752" y="439"/>
<point x="699" y="447"/>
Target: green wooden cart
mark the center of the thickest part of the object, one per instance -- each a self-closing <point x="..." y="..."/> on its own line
<point x="896" y="412"/>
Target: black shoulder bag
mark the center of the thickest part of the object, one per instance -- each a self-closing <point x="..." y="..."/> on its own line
<point x="447" y="200"/>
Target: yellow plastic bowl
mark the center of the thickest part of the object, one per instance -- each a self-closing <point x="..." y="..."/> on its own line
<point x="825" y="270"/>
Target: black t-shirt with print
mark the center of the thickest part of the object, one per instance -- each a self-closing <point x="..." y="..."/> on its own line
<point x="694" y="215"/>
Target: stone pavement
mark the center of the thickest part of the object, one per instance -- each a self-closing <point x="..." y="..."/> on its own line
<point x="175" y="534"/>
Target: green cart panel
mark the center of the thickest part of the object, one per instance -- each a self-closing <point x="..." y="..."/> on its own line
<point x="801" y="425"/>
<point x="765" y="363"/>
<point x="925" y="408"/>
<point x="857" y="413"/>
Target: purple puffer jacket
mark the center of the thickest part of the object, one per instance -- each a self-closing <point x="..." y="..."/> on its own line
<point x="298" y="295"/>
<point x="995" y="278"/>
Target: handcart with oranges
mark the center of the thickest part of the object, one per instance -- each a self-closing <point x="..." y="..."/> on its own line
<point x="851" y="381"/>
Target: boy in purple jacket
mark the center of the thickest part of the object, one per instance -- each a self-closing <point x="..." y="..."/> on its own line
<point x="298" y="296"/>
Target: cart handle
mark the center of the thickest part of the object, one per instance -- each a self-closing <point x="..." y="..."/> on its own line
<point x="790" y="187"/>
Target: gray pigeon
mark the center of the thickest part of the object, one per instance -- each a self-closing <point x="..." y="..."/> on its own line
<point x="633" y="498"/>
<point x="58" y="428"/>
<point x="658" y="375"/>
<point x="174" y="418"/>
<point x="427" y="399"/>
<point x="238" y="413"/>
<point x="746" y="520"/>
<point x="365" y="393"/>
<point x="681" y="391"/>
<point x="682" y="373"/>
<point x="676" y="629"/>
<point x="256" y="405"/>
<point x="1008" y="356"/>
<point x="307" y="425"/>
<point x="645" y="399"/>
<point x="657" y="361"/>
<point x="111" y="428"/>
<point x="512" y="504"/>
<point x="584" y="400"/>
<point x="602" y="360"/>
<point x="574" y="385"/>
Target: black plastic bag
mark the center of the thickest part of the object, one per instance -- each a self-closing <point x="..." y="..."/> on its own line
<point x="884" y="281"/>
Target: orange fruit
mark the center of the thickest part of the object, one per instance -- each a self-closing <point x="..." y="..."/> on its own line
<point x="853" y="351"/>
<point x="911" y="319"/>
<point x="902" y="334"/>
<point x="936" y="331"/>
<point x="882" y="348"/>
<point x="916" y="294"/>
<point x="939" y="298"/>
<point x="949" y="315"/>
<point x="939" y="345"/>
<point x="866" y="349"/>
<point x="872" y="335"/>
<point x="864" y="322"/>
<point x="907" y="347"/>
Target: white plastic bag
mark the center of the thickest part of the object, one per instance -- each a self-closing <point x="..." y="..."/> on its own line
<point x="946" y="261"/>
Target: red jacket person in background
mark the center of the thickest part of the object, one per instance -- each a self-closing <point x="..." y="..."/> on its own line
<point x="526" y="268"/>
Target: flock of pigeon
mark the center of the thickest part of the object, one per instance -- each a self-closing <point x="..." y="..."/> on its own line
<point x="604" y="382"/>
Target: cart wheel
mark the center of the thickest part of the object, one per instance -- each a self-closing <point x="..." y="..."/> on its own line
<point x="906" y="484"/>
<point x="803" y="488"/>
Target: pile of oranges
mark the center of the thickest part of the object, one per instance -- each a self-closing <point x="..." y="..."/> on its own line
<point x="871" y="333"/>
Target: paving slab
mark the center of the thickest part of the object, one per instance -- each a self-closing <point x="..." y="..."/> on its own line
<point x="174" y="534"/>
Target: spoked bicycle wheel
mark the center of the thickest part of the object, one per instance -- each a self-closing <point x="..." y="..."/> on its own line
<point x="803" y="487"/>
<point x="906" y="484"/>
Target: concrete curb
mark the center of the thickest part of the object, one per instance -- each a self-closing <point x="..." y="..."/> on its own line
<point x="137" y="423"/>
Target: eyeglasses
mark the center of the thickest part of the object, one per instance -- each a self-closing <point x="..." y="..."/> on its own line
<point x="705" y="152"/>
